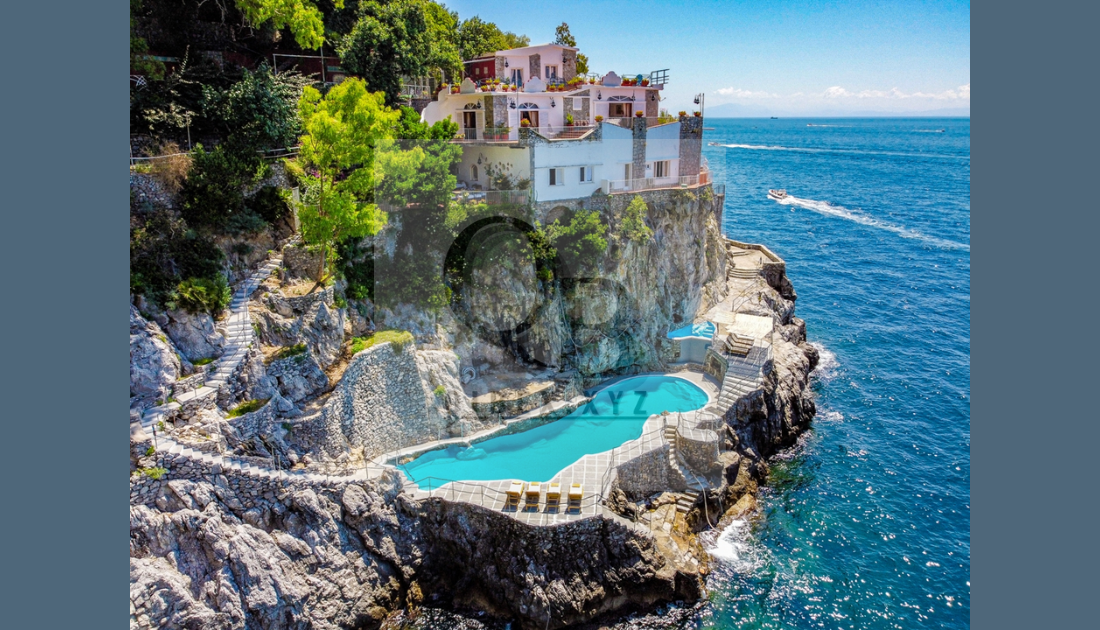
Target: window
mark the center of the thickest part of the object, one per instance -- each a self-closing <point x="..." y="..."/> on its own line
<point x="551" y="72"/>
<point x="517" y="76"/>
<point x="626" y="171"/>
<point x="619" y="110"/>
<point x="557" y="177"/>
<point x="586" y="173"/>
<point x="477" y="71"/>
<point x="473" y="171"/>
<point x="660" y="169"/>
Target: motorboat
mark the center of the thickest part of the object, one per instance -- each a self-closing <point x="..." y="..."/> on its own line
<point x="777" y="194"/>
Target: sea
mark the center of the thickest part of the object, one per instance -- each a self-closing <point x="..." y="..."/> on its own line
<point x="865" y="523"/>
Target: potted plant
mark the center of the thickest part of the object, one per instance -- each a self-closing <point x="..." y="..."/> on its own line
<point x="698" y="114"/>
<point x="639" y="114"/>
<point x="683" y="114"/>
<point x="569" y="120"/>
<point x="599" y="119"/>
<point x="525" y="123"/>
<point x="645" y="82"/>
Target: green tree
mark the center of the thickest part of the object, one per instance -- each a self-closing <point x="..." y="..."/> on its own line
<point x="259" y="112"/>
<point x="212" y="194"/>
<point x="401" y="38"/>
<point x="477" y="37"/>
<point x="633" y="225"/>
<point x="581" y="243"/>
<point x="563" y="37"/>
<point x="341" y="131"/>
<point x="409" y="127"/>
<point x="303" y="18"/>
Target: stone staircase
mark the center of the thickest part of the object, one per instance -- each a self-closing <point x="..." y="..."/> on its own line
<point x="685" y="501"/>
<point x="688" y="478"/>
<point x="237" y="329"/>
<point x="741" y="273"/>
<point x="739" y="345"/>
<point x="572" y="133"/>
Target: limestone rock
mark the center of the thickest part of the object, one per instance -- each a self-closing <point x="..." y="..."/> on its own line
<point x="154" y="366"/>
<point x="194" y="335"/>
<point x="298" y="377"/>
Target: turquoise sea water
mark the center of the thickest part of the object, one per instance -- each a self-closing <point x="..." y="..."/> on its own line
<point x="866" y="523"/>
<point x="615" y="415"/>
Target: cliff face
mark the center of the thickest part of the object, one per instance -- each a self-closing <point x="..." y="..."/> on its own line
<point x="311" y="557"/>
<point x="611" y="315"/>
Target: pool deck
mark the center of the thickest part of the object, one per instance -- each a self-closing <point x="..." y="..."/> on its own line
<point x="595" y="471"/>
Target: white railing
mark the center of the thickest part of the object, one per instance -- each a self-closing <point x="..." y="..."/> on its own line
<point x="652" y="183"/>
<point x="493" y="197"/>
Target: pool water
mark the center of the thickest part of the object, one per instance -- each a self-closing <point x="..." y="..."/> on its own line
<point x="615" y="415"/>
<point x="703" y="329"/>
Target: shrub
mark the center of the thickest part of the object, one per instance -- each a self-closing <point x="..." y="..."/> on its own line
<point x="633" y="225"/>
<point x="270" y="203"/>
<point x="203" y="361"/>
<point x="581" y="244"/>
<point x="203" y="295"/>
<point x="398" y="338"/>
<point x="150" y="451"/>
<point x="247" y="407"/>
<point x="163" y="252"/>
<point x="171" y="167"/>
<point x="339" y="301"/>
<point x="155" y="472"/>
<point x="440" y="391"/>
<point x="245" y="222"/>
<point x="290" y="351"/>
<point x="213" y="191"/>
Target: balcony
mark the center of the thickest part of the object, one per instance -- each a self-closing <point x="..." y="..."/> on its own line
<point x="493" y="197"/>
<point x="613" y="186"/>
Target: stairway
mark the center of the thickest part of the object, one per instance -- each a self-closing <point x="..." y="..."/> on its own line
<point x="572" y="133"/>
<point x="744" y="274"/>
<point x="685" y="501"/>
<point x="689" y="479"/>
<point x="739" y="345"/>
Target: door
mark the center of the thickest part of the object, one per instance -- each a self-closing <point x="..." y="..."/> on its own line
<point x="469" y="125"/>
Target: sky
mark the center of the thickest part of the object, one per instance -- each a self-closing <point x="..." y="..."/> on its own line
<point x="810" y="58"/>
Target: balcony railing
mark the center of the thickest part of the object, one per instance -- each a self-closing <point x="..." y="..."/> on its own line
<point x="493" y="197"/>
<point x="654" y="183"/>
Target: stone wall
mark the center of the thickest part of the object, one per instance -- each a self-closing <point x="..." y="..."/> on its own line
<point x="691" y="145"/>
<point x="146" y="189"/>
<point x="638" y="167"/>
<point x="301" y="261"/>
<point x="652" y="103"/>
<point x="535" y="66"/>
<point x="646" y="474"/>
<point x="498" y="409"/>
<point x="382" y="403"/>
<point x="699" y="448"/>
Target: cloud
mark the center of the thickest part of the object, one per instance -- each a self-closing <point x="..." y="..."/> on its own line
<point x="739" y="93"/>
<point x="961" y="93"/>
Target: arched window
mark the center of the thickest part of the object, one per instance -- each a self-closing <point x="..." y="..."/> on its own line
<point x="473" y="171"/>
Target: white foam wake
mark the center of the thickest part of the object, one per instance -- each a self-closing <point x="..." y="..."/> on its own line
<point x="764" y="147"/>
<point x="828" y="209"/>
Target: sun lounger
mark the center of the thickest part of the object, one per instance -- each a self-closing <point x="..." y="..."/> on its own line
<point x="576" y="493"/>
<point x="533" y="494"/>
<point x="513" y="494"/>
<point x="553" y="496"/>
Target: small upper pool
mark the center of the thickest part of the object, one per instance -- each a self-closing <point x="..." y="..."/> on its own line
<point x="704" y="330"/>
<point x="615" y="415"/>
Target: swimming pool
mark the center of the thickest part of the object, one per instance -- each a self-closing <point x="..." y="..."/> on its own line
<point x="703" y="330"/>
<point x="615" y="415"/>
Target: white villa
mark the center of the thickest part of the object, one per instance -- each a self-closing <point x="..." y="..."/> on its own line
<point x="526" y="113"/>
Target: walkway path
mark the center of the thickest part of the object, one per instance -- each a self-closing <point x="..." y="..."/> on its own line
<point x="238" y="338"/>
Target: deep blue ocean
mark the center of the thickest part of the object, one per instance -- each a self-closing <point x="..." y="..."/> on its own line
<point x="866" y="523"/>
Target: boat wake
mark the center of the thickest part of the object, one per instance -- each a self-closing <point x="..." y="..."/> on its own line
<point x="828" y="209"/>
<point x="764" y="147"/>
